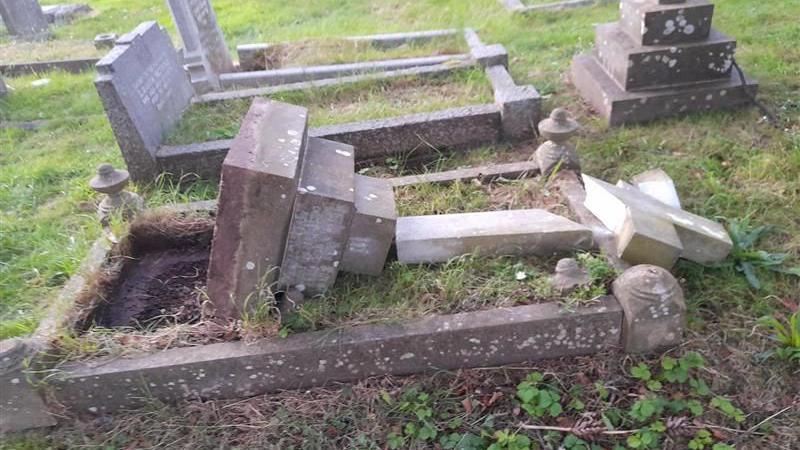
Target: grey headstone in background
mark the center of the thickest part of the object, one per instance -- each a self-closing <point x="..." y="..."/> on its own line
<point x="256" y="196"/>
<point x="24" y="19"/>
<point x="373" y="226"/>
<point x="323" y="210"/>
<point x="144" y="91"/>
<point x="202" y="38"/>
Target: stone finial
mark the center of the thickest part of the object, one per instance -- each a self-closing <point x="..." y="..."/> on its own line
<point x="112" y="182"/>
<point x="654" y="308"/>
<point x="569" y="276"/>
<point x="557" y="129"/>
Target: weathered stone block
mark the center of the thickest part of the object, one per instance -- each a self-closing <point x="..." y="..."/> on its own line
<point x="649" y="22"/>
<point x="704" y="241"/>
<point x="24" y="19"/>
<point x="520" y="106"/>
<point x="647" y="239"/>
<point x="620" y="107"/>
<point x="635" y="67"/>
<point x="439" y="238"/>
<point x="654" y="308"/>
<point x="22" y="406"/>
<point x="257" y="191"/>
<point x="373" y="227"/>
<point x="237" y="369"/>
<point x="144" y="91"/>
<point x="490" y="55"/>
<point x="657" y="184"/>
<point x="323" y="210"/>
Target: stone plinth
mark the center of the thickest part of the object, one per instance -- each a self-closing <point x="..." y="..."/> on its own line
<point x="661" y="59"/>
<point x="256" y="197"/>
<point x="373" y="226"/>
<point x="439" y="238"/>
<point x="144" y="91"/>
<point x="24" y="19"/>
<point x="323" y="210"/>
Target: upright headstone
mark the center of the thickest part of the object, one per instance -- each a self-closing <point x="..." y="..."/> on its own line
<point x="256" y="197"/>
<point x="323" y="210"/>
<point x="144" y="91"/>
<point x="203" y="42"/>
<point x="24" y="19"/>
<point x="661" y="58"/>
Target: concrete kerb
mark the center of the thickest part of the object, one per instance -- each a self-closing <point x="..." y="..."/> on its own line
<point x="517" y="6"/>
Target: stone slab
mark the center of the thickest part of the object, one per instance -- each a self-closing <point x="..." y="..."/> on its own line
<point x="704" y="241"/>
<point x="520" y="106"/>
<point x="144" y="91"/>
<point x="373" y="227"/>
<point x="24" y="19"/>
<point x="229" y="370"/>
<point x="299" y="74"/>
<point x="323" y="209"/>
<point x="513" y="171"/>
<point x="418" y="134"/>
<point x="647" y="239"/>
<point x="657" y="184"/>
<point x="636" y="68"/>
<point x="649" y="22"/>
<point x="620" y="107"/>
<point x="439" y="238"/>
<point x="257" y="191"/>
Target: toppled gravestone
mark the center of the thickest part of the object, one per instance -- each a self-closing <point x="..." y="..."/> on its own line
<point x="373" y="226"/>
<point x="256" y="197"/>
<point x="649" y="231"/>
<point x="439" y="238"/>
<point x="662" y="58"/>
<point x="24" y="19"/>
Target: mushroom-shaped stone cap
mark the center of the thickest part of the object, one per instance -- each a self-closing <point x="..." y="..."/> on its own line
<point x="559" y="126"/>
<point x="109" y="180"/>
<point x="647" y="284"/>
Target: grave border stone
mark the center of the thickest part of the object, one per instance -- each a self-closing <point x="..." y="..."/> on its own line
<point x="520" y="7"/>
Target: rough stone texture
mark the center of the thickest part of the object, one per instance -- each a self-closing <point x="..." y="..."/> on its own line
<point x="655" y="312"/>
<point x="657" y="184"/>
<point x="520" y="106"/>
<point x="439" y="238"/>
<point x="704" y="241"/>
<point x="299" y="74"/>
<point x="655" y="66"/>
<point x="24" y="19"/>
<point x="373" y="226"/>
<point x="323" y="209"/>
<point x="257" y="190"/>
<point x="21" y="407"/>
<point x="67" y="65"/>
<point x="515" y="170"/>
<point x="647" y="239"/>
<point x="649" y="22"/>
<point x="200" y="33"/>
<point x="569" y="276"/>
<point x="485" y="338"/>
<point x="490" y="55"/>
<point x="621" y="107"/>
<point x="468" y="126"/>
<point x="144" y="92"/>
<point x="62" y="14"/>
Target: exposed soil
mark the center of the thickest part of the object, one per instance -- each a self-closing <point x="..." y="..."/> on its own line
<point x="159" y="287"/>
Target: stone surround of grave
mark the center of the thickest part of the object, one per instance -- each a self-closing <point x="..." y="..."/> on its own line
<point x="140" y="127"/>
<point x="662" y="58"/>
<point x="24" y="19"/>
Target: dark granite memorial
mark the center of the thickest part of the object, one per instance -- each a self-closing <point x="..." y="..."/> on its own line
<point x="662" y="58"/>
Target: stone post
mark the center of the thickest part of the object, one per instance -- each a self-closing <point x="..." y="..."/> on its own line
<point x="24" y="19"/>
<point x="655" y="311"/>
<point x="557" y="152"/>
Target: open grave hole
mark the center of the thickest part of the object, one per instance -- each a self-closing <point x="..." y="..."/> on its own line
<point x="375" y="99"/>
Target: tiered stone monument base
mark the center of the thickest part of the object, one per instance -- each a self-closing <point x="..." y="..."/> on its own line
<point x="623" y="107"/>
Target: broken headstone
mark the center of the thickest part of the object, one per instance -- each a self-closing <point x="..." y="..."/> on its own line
<point x="657" y="184"/>
<point x="373" y="226"/>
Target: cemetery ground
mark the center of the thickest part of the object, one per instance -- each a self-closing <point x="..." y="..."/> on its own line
<point x="728" y="378"/>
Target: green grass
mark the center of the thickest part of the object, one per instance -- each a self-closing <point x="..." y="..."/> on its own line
<point x="725" y="165"/>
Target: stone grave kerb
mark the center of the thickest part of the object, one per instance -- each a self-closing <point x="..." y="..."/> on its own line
<point x="144" y="91"/>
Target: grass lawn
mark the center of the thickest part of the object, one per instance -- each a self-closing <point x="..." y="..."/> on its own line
<point x="727" y="166"/>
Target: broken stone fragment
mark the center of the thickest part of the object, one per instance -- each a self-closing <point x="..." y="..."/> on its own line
<point x="657" y="184"/>
<point x="654" y="308"/>
<point x="569" y="276"/>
